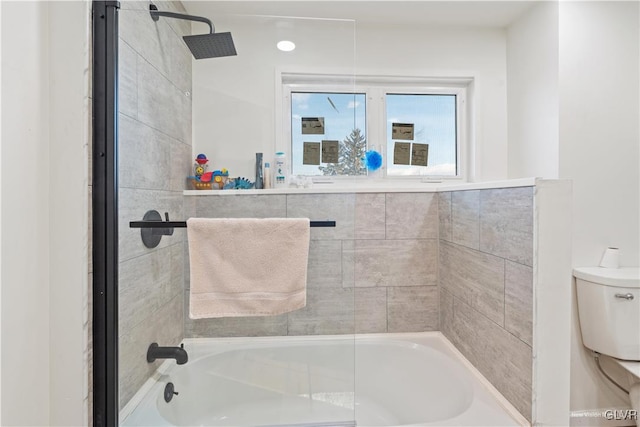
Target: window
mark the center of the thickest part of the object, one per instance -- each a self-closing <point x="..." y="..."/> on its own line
<point x="328" y="133"/>
<point x="427" y="126"/>
<point x="417" y="125"/>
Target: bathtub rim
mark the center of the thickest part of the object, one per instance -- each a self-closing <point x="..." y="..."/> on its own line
<point x="420" y="338"/>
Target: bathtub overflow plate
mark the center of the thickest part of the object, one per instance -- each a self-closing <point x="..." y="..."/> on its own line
<point x="169" y="391"/>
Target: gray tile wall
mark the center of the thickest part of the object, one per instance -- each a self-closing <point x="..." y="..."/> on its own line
<point x="376" y="271"/>
<point x="486" y="284"/>
<point x="396" y="262"/>
<point x="154" y="160"/>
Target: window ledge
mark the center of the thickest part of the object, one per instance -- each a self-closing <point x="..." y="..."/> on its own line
<point x="373" y="186"/>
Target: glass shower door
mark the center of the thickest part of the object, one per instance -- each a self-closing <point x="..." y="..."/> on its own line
<point x="295" y="368"/>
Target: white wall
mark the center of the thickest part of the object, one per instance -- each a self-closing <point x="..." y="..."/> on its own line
<point x="600" y="152"/>
<point x="244" y="86"/>
<point x="44" y="211"/>
<point x="552" y="303"/>
<point x="68" y="207"/>
<point x="532" y="93"/>
<point x="25" y="214"/>
<point x="0" y="224"/>
<point x="457" y="51"/>
<point x="234" y="97"/>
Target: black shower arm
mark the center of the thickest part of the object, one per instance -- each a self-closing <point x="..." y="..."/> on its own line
<point x="156" y="14"/>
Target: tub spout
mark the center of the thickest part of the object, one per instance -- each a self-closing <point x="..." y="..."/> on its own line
<point x="156" y="352"/>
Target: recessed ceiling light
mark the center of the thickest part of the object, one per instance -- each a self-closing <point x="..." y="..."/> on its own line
<point x="286" y="45"/>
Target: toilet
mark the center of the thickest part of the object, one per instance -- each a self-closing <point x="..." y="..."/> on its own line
<point x="609" y="312"/>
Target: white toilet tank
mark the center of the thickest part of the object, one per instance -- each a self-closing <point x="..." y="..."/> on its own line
<point x="609" y="310"/>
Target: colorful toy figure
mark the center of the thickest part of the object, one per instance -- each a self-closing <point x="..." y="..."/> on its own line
<point x="217" y="178"/>
<point x="201" y="166"/>
<point x="203" y="180"/>
<point x="239" y="183"/>
<point x="242" y="183"/>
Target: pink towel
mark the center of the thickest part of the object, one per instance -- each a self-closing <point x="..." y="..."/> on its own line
<point x="247" y="266"/>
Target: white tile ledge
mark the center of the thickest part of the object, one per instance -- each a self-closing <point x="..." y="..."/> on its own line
<point x="371" y="186"/>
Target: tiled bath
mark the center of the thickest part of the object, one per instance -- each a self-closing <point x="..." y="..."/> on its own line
<point x="459" y="262"/>
<point x="486" y="284"/>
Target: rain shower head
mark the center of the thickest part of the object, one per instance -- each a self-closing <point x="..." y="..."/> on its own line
<point x="212" y="45"/>
<point x="202" y="46"/>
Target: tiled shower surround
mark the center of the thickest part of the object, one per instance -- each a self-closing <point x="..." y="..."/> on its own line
<point x="376" y="271"/>
<point x="486" y="284"/>
<point x="458" y="262"/>
<point x="154" y="158"/>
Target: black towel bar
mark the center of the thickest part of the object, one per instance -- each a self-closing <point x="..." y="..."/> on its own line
<point x="153" y="227"/>
<point x="183" y="224"/>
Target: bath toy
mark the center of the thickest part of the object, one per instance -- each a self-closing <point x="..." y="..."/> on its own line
<point x="243" y="184"/>
<point x="203" y="180"/>
<point x="199" y="185"/>
<point x="200" y="167"/>
<point x="201" y="159"/>
<point x="372" y="160"/>
<point x="219" y="178"/>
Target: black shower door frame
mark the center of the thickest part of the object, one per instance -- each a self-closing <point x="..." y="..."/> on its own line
<point x="105" y="212"/>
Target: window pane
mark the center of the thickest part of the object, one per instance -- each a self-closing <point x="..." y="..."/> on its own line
<point x="328" y="133"/>
<point x="420" y="120"/>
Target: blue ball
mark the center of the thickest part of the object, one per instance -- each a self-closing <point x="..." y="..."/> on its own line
<point x="372" y="160"/>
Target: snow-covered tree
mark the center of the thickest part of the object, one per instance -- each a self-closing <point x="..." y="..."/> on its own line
<point x="351" y="152"/>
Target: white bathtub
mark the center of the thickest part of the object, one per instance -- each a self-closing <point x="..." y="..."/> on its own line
<point x="400" y="379"/>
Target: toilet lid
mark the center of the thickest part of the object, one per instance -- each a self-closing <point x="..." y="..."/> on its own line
<point x="624" y="277"/>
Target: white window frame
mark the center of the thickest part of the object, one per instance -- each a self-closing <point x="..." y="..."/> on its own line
<point x="375" y="89"/>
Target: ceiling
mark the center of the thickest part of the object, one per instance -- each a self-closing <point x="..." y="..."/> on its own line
<point x="390" y="12"/>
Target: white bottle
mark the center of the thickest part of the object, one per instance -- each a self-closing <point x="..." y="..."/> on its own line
<point x="267" y="175"/>
<point x="280" y="176"/>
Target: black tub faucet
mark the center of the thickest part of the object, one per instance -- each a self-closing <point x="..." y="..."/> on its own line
<point x="156" y="352"/>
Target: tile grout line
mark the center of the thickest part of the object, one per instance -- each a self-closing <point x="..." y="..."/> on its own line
<point x="386" y="305"/>
<point x="479" y="220"/>
<point x="487" y="318"/>
<point x="160" y="131"/>
<point x="504" y="293"/>
<point x="485" y="253"/>
<point x="150" y="252"/>
<point x="137" y="118"/>
<point x="386" y="308"/>
<point x="162" y="73"/>
<point x="385" y="216"/>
